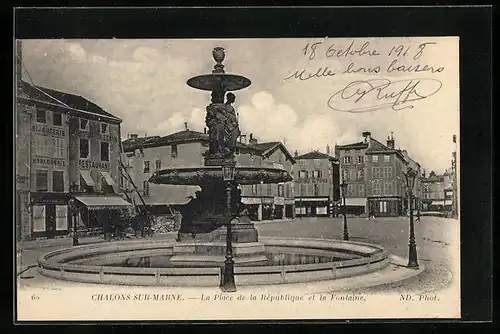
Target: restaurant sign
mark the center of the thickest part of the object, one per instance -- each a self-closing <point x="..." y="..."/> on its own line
<point x="48" y="131"/>
<point x="55" y="162"/>
<point x="312" y="180"/>
<point x="88" y="164"/>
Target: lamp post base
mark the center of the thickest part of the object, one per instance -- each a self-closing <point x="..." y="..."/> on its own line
<point x="228" y="284"/>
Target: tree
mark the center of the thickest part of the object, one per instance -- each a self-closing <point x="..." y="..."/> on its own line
<point x="432" y="173"/>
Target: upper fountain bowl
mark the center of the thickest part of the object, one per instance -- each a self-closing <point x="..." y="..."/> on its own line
<point x="219" y="81"/>
<point x="195" y="176"/>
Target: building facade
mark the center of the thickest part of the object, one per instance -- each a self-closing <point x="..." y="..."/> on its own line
<point x="438" y="192"/>
<point x="146" y="155"/>
<point x="65" y="146"/>
<point x="374" y="176"/>
<point x="316" y="178"/>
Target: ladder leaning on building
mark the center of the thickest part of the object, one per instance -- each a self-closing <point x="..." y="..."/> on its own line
<point x="140" y="208"/>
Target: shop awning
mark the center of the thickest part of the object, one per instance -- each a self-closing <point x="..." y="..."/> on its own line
<point x="108" y="178"/>
<point x="103" y="202"/>
<point x="87" y="178"/>
<point x="355" y="201"/>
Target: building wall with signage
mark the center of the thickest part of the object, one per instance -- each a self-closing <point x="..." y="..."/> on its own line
<point x="94" y="147"/>
<point x="316" y="186"/>
<point x="49" y="151"/>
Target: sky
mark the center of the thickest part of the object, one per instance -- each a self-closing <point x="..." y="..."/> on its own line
<point x="144" y="83"/>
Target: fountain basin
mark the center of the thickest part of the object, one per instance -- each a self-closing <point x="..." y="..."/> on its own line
<point x="326" y="260"/>
<point x="195" y="176"/>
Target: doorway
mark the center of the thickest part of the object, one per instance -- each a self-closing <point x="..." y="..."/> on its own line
<point x="50" y="220"/>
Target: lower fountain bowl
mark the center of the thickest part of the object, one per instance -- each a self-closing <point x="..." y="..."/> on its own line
<point x="161" y="263"/>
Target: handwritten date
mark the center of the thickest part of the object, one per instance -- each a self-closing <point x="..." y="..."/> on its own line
<point x="370" y="95"/>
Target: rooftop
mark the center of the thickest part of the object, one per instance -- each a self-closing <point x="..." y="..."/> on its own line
<point x="62" y="99"/>
<point x="315" y="155"/>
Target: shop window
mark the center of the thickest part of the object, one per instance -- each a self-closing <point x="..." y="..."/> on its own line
<point x="58" y="181"/>
<point x="84" y="124"/>
<point x="104" y="151"/>
<point x="57" y="119"/>
<point x="158" y="165"/>
<point x="146" y="167"/>
<point x="41" y="116"/>
<point x="42" y="180"/>
<point x="84" y="148"/>
<point x="174" y="151"/>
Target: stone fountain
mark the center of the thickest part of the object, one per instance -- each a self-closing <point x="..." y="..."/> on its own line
<point x="218" y="203"/>
<point x="196" y="258"/>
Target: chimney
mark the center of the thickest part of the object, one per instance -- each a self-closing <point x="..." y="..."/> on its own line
<point x="296" y="153"/>
<point x="205" y="130"/>
<point x="367" y="135"/>
<point x="186" y="126"/>
<point x="328" y="149"/>
<point x="134" y="136"/>
<point x="390" y="141"/>
<point x="19" y="64"/>
<point x="252" y="140"/>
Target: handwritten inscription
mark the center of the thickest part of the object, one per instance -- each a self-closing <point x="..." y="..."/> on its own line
<point x="370" y="95"/>
<point x="363" y="58"/>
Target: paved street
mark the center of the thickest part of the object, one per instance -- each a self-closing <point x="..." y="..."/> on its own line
<point x="437" y="241"/>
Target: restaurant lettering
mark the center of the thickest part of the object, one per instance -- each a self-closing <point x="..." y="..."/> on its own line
<point x="87" y="164"/>
<point x="311" y="180"/>
<point x="49" y="161"/>
<point x="48" y="131"/>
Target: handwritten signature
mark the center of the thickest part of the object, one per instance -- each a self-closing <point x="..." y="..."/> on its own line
<point x="370" y="95"/>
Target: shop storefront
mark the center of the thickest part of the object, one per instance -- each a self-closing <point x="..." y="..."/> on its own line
<point x="384" y="206"/>
<point x="49" y="214"/>
<point x="312" y="207"/>
<point x="99" y="211"/>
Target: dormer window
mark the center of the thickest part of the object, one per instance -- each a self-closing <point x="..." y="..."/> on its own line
<point x="84" y="124"/>
<point x="41" y="116"/>
<point x="104" y="128"/>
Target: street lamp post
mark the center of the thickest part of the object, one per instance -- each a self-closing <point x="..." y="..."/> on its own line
<point x="346" y="231"/>
<point x="412" y="246"/>
<point x="228" y="284"/>
<point x="73" y="215"/>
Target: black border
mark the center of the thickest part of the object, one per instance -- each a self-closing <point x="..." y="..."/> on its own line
<point x="472" y="24"/>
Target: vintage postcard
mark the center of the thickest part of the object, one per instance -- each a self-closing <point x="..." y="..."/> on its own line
<point x="237" y="179"/>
